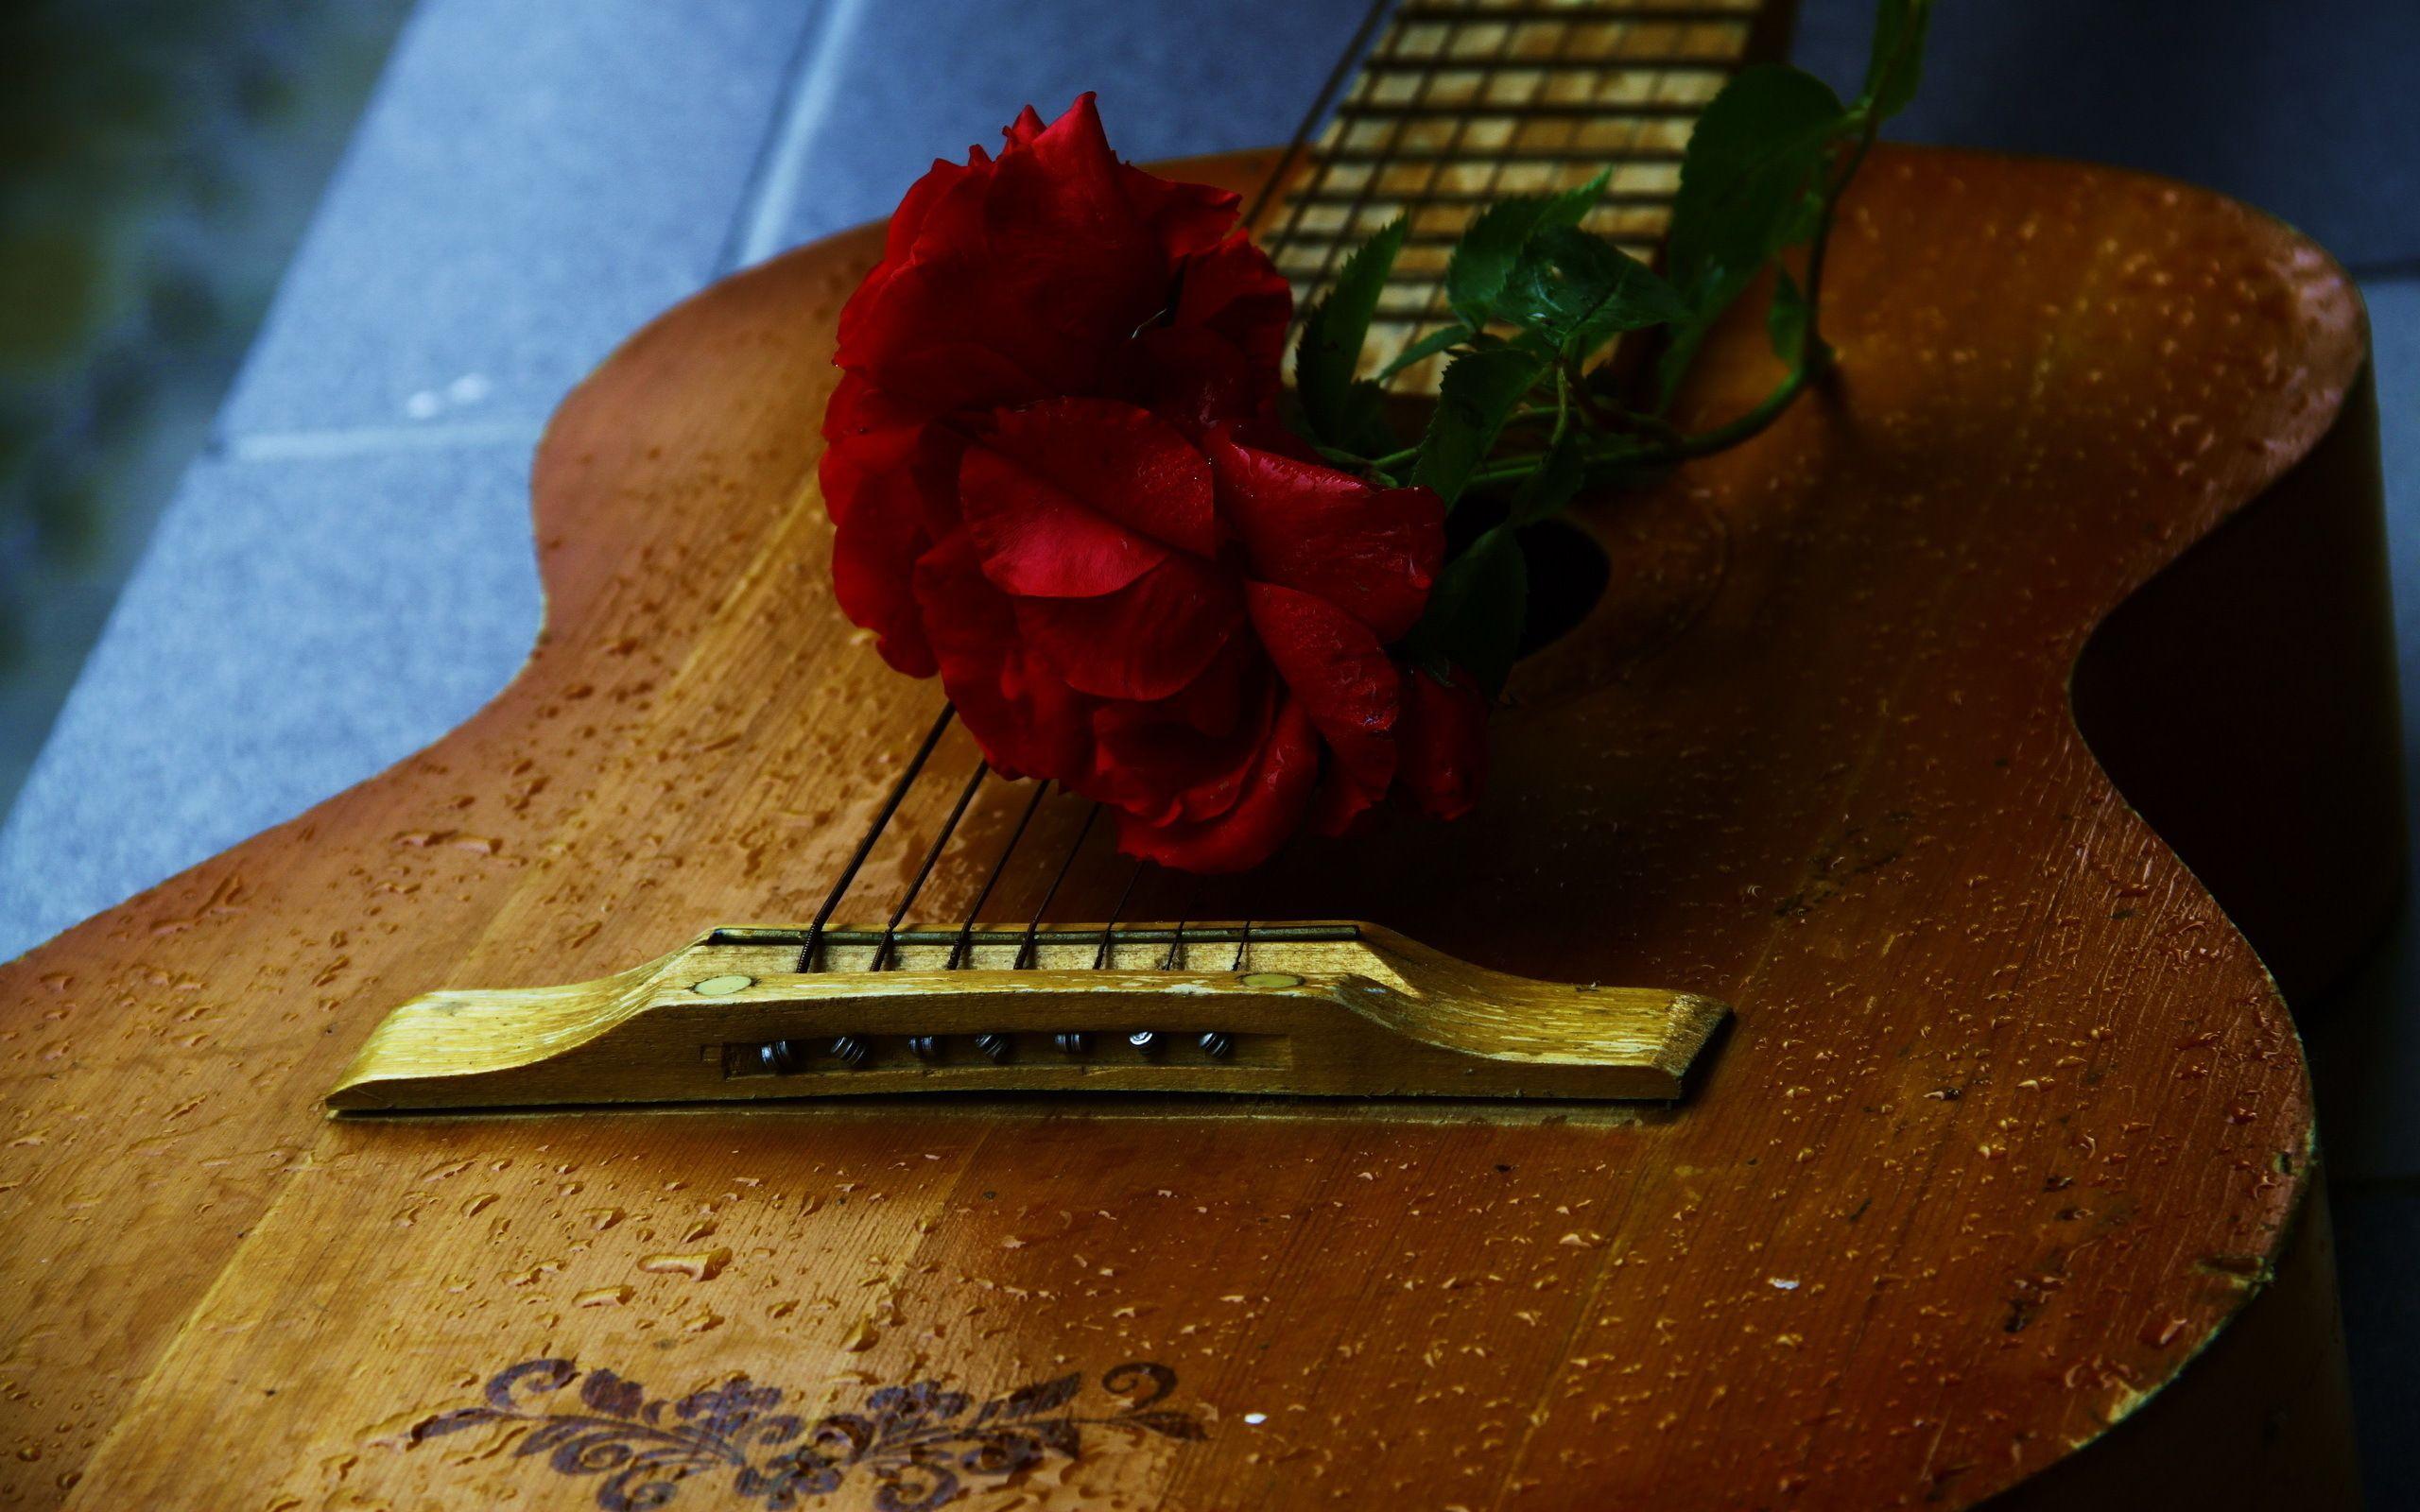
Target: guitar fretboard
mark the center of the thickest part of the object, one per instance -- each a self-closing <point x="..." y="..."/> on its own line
<point x="1463" y="102"/>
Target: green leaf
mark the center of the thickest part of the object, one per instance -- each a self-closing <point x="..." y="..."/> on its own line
<point x="1426" y="347"/>
<point x="1492" y="244"/>
<point x="1330" y="350"/>
<point x="1576" y="290"/>
<point x="1787" y="319"/>
<point x="1892" y="73"/>
<point x="1475" y="612"/>
<point x="1751" y="185"/>
<point x="1479" y="390"/>
<point x="1365" y="419"/>
<point x="1544" y="492"/>
<point x="1745" y="179"/>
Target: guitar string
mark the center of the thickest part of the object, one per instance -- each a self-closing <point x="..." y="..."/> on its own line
<point x="1310" y="123"/>
<point x="949" y="826"/>
<point x="1278" y="172"/>
<point x="1109" y="931"/>
<point x="1379" y="163"/>
<point x="957" y="951"/>
<point x="1383" y="157"/>
<point x="1026" y="948"/>
<point x="1434" y="307"/>
<point x="1625" y="51"/>
<point x="866" y="842"/>
<point x="1183" y="916"/>
<point x="1392" y="47"/>
<point x="1458" y="133"/>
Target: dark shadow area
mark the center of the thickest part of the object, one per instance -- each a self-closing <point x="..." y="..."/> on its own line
<point x="2303" y="109"/>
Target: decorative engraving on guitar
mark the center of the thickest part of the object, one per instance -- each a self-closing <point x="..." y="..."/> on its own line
<point x="1308" y="1010"/>
<point x="917" y="1447"/>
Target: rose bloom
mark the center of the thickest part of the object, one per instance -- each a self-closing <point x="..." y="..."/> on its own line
<point x="1057" y="480"/>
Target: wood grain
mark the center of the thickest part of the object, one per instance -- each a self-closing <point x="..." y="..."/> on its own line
<point x="2011" y="1124"/>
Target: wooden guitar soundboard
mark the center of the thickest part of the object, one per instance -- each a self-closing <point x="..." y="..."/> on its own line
<point x="2001" y="1180"/>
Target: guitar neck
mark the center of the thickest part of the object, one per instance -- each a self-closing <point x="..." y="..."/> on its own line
<point x="1458" y="103"/>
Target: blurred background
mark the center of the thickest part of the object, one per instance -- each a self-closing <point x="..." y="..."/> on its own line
<point x="159" y="159"/>
<point x="287" y="290"/>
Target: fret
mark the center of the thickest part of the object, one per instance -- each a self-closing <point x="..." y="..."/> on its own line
<point x="1442" y="224"/>
<point x="1492" y="10"/>
<point x="1642" y="227"/>
<point x="1556" y="47"/>
<point x="1415" y="305"/>
<point x="1470" y="183"/>
<point x="1542" y="110"/>
<point x="1481" y="159"/>
<point x="1461" y="105"/>
<point x="1480" y="200"/>
<point x="1673" y="62"/>
<point x="1602" y="85"/>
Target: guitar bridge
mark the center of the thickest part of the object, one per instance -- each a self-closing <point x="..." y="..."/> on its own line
<point x="1302" y="1010"/>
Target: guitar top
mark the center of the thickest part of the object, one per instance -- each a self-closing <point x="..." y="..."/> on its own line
<point x="2009" y="1125"/>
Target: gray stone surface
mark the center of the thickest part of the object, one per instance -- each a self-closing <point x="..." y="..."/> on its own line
<point x="229" y="693"/>
<point x="533" y="180"/>
<point x="905" y="81"/>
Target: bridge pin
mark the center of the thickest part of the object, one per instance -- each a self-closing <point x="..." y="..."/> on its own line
<point x="781" y="1057"/>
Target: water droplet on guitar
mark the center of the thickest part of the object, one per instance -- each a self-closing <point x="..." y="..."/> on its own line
<point x="704" y="1265"/>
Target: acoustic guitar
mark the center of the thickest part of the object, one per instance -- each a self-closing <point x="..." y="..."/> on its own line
<point x="1836" y="1067"/>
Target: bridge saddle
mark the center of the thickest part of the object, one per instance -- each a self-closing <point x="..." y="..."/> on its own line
<point x="1325" y="1009"/>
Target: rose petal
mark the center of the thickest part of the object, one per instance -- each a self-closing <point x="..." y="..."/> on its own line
<point x="1441" y="743"/>
<point x="1185" y="217"/>
<point x="1035" y="540"/>
<point x="871" y="562"/>
<point x="1027" y="721"/>
<point x="1028" y="125"/>
<point x="1071" y="269"/>
<point x="1373" y="552"/>
<point x="1145" y="642"/>
<point x="1177" y="759"/>
<point x="1267" y="811"/>
<point x="870" y="488"/>
<point x="898" y="247"/>
<point x="873" y="451"/>
<point x="1022" y="279"/>
<point x="1075" y="497"/>
<point x="1342" y="678"/>
<point x="1195" y="380"/>
<point x="905" y="327"/>
<point x="925" y="194"/>
<point x="1234" y="290"/>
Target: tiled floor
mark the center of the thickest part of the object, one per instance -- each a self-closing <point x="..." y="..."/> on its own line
<point x="348" y="573"/>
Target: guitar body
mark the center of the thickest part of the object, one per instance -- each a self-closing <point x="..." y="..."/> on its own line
<point x="2003" y="1180"/>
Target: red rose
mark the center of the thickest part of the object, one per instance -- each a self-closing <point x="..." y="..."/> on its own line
<point x="1056" y="481"/>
